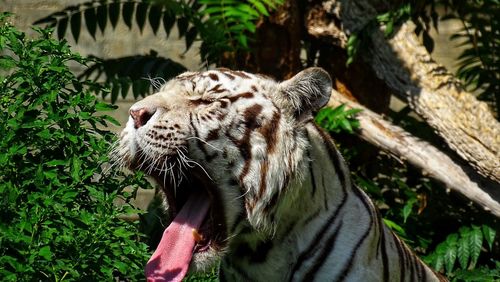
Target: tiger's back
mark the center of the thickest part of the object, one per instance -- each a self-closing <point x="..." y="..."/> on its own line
<point x="278" y="202"/>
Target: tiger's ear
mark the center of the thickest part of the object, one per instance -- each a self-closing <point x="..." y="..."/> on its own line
<point x="306" y="92"/>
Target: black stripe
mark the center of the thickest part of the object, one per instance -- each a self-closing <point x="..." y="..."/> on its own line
<point x="327" y="250"/>
<point x="334" y="155"/>
<point x="241" y="217"/>
<point x="313" y="246"/>
<point x="222" y="275"/>
<point x="311" y="171"/>
<point x="408" y="261"/>
<point x="237" y="269"/>
<point x="291" y="226"/>
<point x="201" y="145"/>
<point x="325" y="196"/>
<point x="383" y="250"/>
<point x="422" y="274"/>
<point x="401" y="258"/>
<point x="413" y="265"/>
<point x="348" y="266"/>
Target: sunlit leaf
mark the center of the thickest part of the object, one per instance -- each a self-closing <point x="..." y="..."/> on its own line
<point x="450" y="255"/>
<point x="475" y="244"/>
<point x="489" y="234"/>
<point x="463" y="249"/>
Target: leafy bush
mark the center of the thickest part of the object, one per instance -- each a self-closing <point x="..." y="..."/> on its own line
<point x="57" y="221"/>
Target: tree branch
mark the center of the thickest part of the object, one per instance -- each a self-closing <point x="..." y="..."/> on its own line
<point x="466" y="124"/>
<point x="421" y="154"/>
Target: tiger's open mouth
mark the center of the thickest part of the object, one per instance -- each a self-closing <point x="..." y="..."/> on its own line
<point x="198" y="224"/>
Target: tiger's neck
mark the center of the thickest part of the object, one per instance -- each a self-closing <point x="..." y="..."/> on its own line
<point x="326" y="230"/>
<point x="307" y="212"/>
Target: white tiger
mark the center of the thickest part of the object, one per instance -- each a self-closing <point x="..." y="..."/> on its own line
<point x="252" y="182"/>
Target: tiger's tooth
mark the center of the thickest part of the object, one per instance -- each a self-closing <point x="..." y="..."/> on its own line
<point x="197" y="236"/>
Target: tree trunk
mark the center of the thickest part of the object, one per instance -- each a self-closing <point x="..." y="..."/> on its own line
<point x="466" y="124"/>
<point x="421" y="154"/>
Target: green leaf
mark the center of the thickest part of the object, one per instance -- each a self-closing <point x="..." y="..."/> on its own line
<point x="50" y="174"/>
<point x="76" y="168"/>
<point x="101" y="106"/>
<point x="260" y="7"/>
<point x="389" y="28"/>
<point x="463" y="249"/>
<point x="112" y="120"/>
<point x="352" y="48"/>
<point x="450" y="255"/>
<point x="489" y="234"/>
<point x="7" y="62"/>
<point x="394" y="226"/>
<point x="344" y="123"/>
<point x="45" y="253"/>
<point x="475" y="244"/>
<point x="56" y="162"/>
<point x="407" y="209"/>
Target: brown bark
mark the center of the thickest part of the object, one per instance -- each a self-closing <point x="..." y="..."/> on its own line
<point x="372" y="92"/>
<point x="435" y="163"/>
<point x="402" y="62"/>
<point x="277" y="46"/>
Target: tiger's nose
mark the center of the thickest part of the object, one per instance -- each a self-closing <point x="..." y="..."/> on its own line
<point x="141" y="115"/>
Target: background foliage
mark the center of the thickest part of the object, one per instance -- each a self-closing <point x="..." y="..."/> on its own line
<point x="222" y="26"/>
<point x="58" y="221"/>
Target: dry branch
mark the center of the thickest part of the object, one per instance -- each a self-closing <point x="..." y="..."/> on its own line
<point x="438" y="165"/>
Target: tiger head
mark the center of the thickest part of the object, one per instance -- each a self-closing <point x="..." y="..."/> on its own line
<point x="223" y="145"/>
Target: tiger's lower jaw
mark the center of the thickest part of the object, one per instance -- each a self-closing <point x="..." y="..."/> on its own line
<point x="205" y="260"/>
<point x="192" y="242"/>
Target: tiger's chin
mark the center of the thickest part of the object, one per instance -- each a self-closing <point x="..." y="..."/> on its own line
<point x="205" y="260"/>
<point x="196" y="237"/>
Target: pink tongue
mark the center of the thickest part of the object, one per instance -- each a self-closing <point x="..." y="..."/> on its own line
<point x="171" y="259"/>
